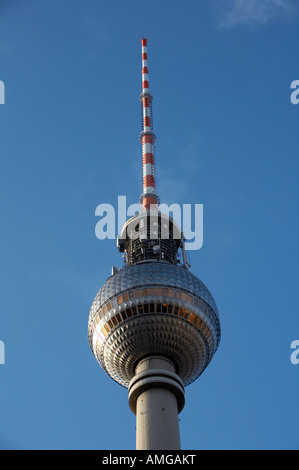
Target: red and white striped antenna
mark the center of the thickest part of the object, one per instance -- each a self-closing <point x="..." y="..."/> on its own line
<point x="149" y="196"/>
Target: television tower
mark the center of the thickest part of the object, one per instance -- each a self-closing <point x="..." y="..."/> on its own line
<point x="153" y="326"/>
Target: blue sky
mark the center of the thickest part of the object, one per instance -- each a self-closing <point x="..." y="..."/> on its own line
<point x="227" y="138"/>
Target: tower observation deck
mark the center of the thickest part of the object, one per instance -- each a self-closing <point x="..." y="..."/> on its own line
<point x="153" y="326"/>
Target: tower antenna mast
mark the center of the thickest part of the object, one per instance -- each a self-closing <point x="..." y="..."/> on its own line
<point x="147" y="138"/>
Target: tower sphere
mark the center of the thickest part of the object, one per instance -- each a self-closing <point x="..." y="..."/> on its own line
<point x="149" y="308"/>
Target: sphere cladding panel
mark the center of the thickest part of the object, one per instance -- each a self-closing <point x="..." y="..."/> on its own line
<point x="148" y="333"/>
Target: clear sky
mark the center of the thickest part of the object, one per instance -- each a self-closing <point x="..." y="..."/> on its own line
<point x="227" y="138"/>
